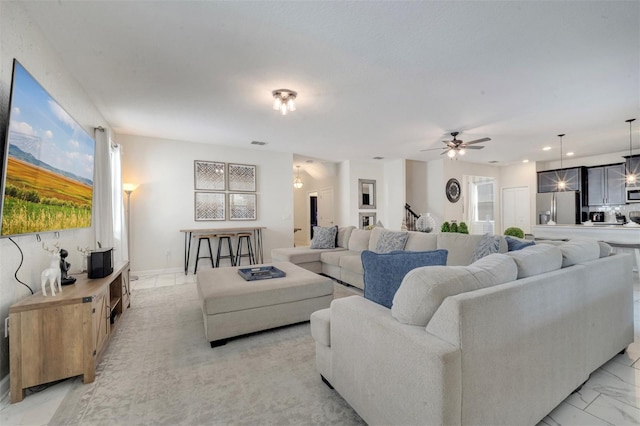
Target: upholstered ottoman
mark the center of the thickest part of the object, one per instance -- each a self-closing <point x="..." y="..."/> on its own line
<point x="232" y="306"/>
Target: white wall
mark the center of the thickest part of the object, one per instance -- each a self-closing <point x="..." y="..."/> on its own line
<point x="416" y="185"/>
<point x="597" y="160"/>
<point x="164" y="202"/>
<point x="21" y="39"/>
<point x="436" y="197"/>
<point x="394" y="187"/>
<point x="348" y="174"/>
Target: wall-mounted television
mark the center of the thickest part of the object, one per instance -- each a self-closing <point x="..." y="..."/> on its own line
<point x="48" y="163"/>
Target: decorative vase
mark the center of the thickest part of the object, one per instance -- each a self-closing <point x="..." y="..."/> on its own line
<point x="425" y="223"/>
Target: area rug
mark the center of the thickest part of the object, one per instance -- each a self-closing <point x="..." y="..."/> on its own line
<point x="159" y="370"/>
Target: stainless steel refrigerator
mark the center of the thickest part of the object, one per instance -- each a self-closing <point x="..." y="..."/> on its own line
<point x="561" y="207"/>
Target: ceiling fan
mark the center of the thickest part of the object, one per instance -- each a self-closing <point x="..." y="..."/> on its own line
<point x="457" y="146"/>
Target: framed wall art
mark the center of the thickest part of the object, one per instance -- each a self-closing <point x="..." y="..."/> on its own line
<point x="209" y="176"/>
<point x="210" y="206"/>
<point x="243" y="207"/>
<point x="242" y="177"/>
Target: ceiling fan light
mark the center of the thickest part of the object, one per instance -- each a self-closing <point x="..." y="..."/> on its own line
<point x="462" y="151"/>
<point x="451" y="153"/>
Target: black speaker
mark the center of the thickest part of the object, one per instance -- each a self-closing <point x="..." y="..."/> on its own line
<point x="100" y="263"/>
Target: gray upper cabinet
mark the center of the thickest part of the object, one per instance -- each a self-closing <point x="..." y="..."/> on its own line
<point x="573" y="177"/>
<point x="606" y="185"/>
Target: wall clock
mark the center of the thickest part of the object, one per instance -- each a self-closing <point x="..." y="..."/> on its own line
<point x="453" y="190"/>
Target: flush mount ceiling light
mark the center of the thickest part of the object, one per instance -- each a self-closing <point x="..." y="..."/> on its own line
<point x="284" y="100"/>
<point x="631" y="176"/>
<point x="561" y="183"/>
<point x="297" y="182"/>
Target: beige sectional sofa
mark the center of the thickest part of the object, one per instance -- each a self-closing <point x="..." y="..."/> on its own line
<point x="343" y="263"/>
<point x="501" y="341"/>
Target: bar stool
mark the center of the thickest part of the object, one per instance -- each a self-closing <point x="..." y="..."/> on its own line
<point x="198" y="257"/>
<point x="227" y="238"/>
<point x="244" y="236"/>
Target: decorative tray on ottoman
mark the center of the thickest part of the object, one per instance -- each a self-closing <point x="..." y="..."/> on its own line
<point x="260" y="273"/>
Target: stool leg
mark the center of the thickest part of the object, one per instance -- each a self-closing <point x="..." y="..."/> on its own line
<point x="239" y="252"/>
<point x="252" y="257"/>
<point x="233" y="261"/>
<point x="195" y="270"/>
<point x="210" y="252"/>
<point x="219" y="253"/>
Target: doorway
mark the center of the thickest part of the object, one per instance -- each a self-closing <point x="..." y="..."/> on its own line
<point x="313" y="212"/>
<point x="516" y="208"/>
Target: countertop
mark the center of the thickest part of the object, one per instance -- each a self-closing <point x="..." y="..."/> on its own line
<point x="609" y="233"/>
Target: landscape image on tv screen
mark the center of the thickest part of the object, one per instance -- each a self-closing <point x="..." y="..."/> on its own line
<point x="49" y="161"/>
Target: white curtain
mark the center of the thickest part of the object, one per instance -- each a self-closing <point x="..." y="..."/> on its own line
<point x="108" y="212"/>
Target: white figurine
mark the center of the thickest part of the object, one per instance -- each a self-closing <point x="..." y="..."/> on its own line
<point x="52" y="275"/>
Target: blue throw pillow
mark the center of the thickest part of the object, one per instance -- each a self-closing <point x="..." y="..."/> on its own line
<point x="383" y="273"/>
<point x="517" y="244"/>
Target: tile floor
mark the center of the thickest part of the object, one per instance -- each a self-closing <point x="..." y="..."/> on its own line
<point x="610" y="397"/>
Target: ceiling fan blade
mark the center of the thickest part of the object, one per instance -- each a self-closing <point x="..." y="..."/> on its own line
<point x="478" y="141"/>
<point x="474" y="147"/>
<point x="431" y="149"/>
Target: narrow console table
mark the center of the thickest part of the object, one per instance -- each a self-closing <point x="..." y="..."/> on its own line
<point x="56" y="337"/>
<point x="257" y="240"/>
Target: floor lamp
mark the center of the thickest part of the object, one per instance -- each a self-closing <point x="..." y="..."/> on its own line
<point x="128" y="189"/>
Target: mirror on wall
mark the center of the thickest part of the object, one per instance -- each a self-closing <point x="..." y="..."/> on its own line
<point x="367" y="193"/>
<point x="367" y="220"/>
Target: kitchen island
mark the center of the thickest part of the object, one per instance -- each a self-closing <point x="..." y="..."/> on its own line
<point x="622" y="238"/>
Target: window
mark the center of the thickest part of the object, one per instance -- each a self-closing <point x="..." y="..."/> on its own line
<point x="484" y="195"/>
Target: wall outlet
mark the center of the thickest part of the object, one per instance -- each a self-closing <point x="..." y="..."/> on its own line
<point x="6" y="327"/>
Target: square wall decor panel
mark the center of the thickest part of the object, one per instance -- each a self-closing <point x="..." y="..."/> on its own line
<point x="209" y="176"/>
<point x="242" y="177"/>
<point x="243" y="207"/>
<point x="210" y="206"/>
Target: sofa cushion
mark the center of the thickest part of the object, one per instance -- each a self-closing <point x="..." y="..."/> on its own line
<point x="359" y="240"/>
<point x="324" y="237"/>
<point x="383" y="273"/>
<point x="321" y="326"/>
<point x="497" y="268"/>
<point x="391" y="241"/>
<point x="424" y="289"/>
<point x="517" y="243"/>
<point x="537" y="259"/>
<point x="421" y="241"/>
<point x="333" y="257"/>
<point x="299" y="255"/>
<point x="352" y="262"/>
<point x="605" y="249"/>
<point x="579" y="251"/>
<point x="460" y="247"/>
<point x="342" y="239"/>
<point x="487" y="245"/>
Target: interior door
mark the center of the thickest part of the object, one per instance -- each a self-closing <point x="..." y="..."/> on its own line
<point x="516" y="209"/>
<point x="325" y="207"/>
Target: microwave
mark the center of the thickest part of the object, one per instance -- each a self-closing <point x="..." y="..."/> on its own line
<point x="633" y="194"/>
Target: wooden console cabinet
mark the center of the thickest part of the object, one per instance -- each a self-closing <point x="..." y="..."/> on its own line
<point x="53" y="338"/>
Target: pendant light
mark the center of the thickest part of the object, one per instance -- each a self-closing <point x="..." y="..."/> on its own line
<point x="297" y="182"/>
<point x="561" y="183"/>
<point x="631" y="175"/>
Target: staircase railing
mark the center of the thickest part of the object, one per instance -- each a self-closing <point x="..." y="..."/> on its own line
<point x="410" y="217"/>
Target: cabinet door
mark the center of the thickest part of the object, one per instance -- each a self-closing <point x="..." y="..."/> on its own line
<point x="595" y="186"/>
<point x="101" y="314"/>
<point x="547" y="181"/>
<point x="572" y="177"/>
<point x="615" y="179"/>
<point x="633" y="165"/>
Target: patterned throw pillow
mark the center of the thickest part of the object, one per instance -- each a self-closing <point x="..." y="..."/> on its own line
<point x="324" y="237"/>
<point x="391" y="241"/>
<point x="517" y="243"/>
<point x="383" y="273"/>
<point x="487" y="245"/>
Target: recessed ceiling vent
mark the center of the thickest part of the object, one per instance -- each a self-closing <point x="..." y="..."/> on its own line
<point x="258" y="143"/>
<point x="493" y="162"/>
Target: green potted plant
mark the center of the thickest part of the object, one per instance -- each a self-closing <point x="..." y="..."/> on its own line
<point x="514" y="232"/>
<point x="462" y="228"/>
<point x="445" y="227"/>
<point x="453" y="227"/>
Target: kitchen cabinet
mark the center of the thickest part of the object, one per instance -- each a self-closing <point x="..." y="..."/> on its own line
<point x="633" y="164"/>
<point x="606" y="185"/>
<point x="56" y="337"/>
<point x="574" y="177"/>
